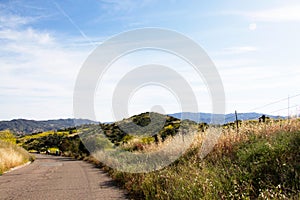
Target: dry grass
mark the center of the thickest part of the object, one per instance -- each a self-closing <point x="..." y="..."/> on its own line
<point x="230" y="135"/>
<point x="11" y="156"/>
<point x="224" y="139"/>
<point x="257" y="161"/>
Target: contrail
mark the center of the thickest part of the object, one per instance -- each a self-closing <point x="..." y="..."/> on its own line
<point x="74" y="24"/>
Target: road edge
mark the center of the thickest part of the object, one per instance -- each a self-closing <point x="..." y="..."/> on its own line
<point x="17" y="167"/>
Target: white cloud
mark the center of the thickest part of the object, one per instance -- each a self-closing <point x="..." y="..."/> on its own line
<point x="36" y="71"/>
<point x="26" y="35"/>
<point x="14" y="21"/>
<point x="252" y="26"/>
<point x="279" y="14"/>
<point x="243" y="49"/>
<point x="286" y="13"/>
<point x="236" y="50"/>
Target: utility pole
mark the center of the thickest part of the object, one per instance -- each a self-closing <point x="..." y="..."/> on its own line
<point x="237" y="123"/>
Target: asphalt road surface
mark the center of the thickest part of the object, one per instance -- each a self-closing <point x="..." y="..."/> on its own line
<point x="50" y="177"/>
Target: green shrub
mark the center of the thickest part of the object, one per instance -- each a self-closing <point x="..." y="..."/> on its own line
<point x="7" y="136"/>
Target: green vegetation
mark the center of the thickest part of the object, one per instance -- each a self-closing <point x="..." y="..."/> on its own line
<point x="10" y="154"/>
<point x="66" y="141"/>
<point x="261" y="161"/>
<point x="7" y="136"/>
<point x="41" y="141"/>
<point x="161" y="126"/>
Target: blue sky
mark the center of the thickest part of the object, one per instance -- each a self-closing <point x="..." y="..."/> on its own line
<point x="255" y="46"/>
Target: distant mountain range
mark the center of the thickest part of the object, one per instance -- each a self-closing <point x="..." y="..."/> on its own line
<point x="24" y="126"/>
<point x="207" y="117"/>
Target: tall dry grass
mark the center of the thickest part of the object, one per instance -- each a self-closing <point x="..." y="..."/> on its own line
<point x="260" y="160"/>
<point x="11" y="156"/>
<point x="249" y="129"/>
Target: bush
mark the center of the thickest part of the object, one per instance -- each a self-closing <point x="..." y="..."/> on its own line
<point x="7" y="136"/>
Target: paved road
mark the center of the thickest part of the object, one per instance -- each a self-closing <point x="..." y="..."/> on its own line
<point x="55" y="178"/>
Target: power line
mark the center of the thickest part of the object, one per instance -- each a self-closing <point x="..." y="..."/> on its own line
<point x="295" y="96"/>
<point x="283" y="109"/>
<point x="274" y="102"/>
<point x="280" y="100"/>
<point x="268" y="104"/>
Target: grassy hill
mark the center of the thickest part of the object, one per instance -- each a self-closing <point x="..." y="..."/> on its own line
<point x="141" y="126"/>
<point x="261" y="161"/>
<point x="11" y="155"/>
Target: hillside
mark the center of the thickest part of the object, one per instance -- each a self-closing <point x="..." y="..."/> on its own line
<point x="11" y="155"/>
<point x="141" y="126"/>
<point x="261" y="161"/>
<point x="24" y="126"/>
<point x="206" y="117"/>
<point x="130" y="134"/>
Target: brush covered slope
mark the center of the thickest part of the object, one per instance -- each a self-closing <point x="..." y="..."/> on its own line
<point x="148" y="124"/>
<point x="261" y="161"/>
<point x="11" y="155"/>
<point x="66" y="141"/>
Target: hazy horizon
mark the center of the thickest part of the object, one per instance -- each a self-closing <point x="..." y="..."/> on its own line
<point x="38" y="119"/>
